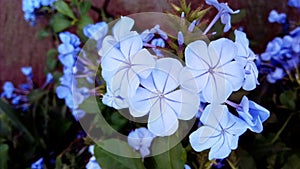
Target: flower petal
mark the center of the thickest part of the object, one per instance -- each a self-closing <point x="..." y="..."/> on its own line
<point x="162" y="120"/>
<point x="204" y="138"/>
<point x="143" y="63"/>
<point x="196" y="56"/>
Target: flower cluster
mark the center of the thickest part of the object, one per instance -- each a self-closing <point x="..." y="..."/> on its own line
<point x="166" y="91"/>
<point x="75" y="67"/>
<point x="68" y="51"/>
<point x="140" y="140"/>
<point x="18" y="95"/>
<point x="29" y="8"/>
<point x="282" y="54"/>
<point x="274" y="16"/>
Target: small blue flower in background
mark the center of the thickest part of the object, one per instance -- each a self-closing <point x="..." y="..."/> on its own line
<point x="140" y="140"/>
<point x="213" y="69"/>
<point x="30" y="6"/>
<point x="69" y="49"/>
<point x="8" y="89"/>
<point x="253" y="114"/>
<point x="92" y="164"/>
<point x="282" y="56"/>
<point x="246" y="57"/>
<point x="27" y="71"/>
<point x="158" y="42"/>
<point x="277" y="74"/>
<point x="186" y="166"/>
<point x="220" y="132"/>
<point x="224" y="12"/>
<point x="159" y="97"/>
<point x="38" y="164"/>
<point x="96" y="31"/>
<point x="274" y="16"/>
<point x="294" y="3"/>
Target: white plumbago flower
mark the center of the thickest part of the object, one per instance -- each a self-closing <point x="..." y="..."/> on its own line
<point x="160" y="97"/>
<point x="246" y="58"/>
<point x="212" y="69"/>
<point x="120" y="32"/>
<point x="140" y="140"/>
<point x="220" y="132"/>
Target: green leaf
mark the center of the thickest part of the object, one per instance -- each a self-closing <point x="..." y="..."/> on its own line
<point x="43" y="34"/>
<point x="90" y="105"/>
<point x="84" y="20"/>
<point x="174" y="158"/>
<point x="84" y="7"/>
<point x="293" y="162"/>
<point x="36" y="95"/>
<point x="4" y="156"/>
<point x="60" y="23"/>
<point x="108" y="160"/>
<point x="288" y="98"/>
<point x="63" y="8"/>
<point x="10" y="113"/>
<point x="245" y="161"/>
<point x="239" y="16"/>
<point x="51" y="62"/>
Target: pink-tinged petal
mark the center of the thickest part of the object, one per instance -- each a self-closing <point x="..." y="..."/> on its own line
<point x="193" y="80"/>
<point x="166" y="74"/>
<point x="221" y="51"/>
<point x="162" y="120"/>
<point x="141" y="102"/>
<point x="204" y="138"/>
<point x="143" y="63"/>
<point x="196" y="56"/>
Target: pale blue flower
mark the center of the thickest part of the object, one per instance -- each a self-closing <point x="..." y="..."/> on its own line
<point x="113" y="99"/>
<point x="220" y="132"/>
<point x="294" y="3"/>
<point x="8" y="89"/>
<point x="16" y="100"/>
<point x="211" y="69"/>
<point x="274" y="16"/>
<point x="27" y="71"/>
<point x="159" y="42"/>
<point x="49" y="78"/>
<point x="246" y="57"/>
<point x="121" y="31"/>
<point x="273" y="48"/>
<point x="224" y="13"/>
<point x="92" y="164"/>
<point x="159" y="96"/>
<point x="96" y="31"/>
<point x="277" y="74"/>
<point x="253" y="114"/>
<point x="186" y="166"/>
<point x="140" y="140"/>
<point x="125" y="65"/>
<point x="296" y="39"/>
<point x="38" y="164"/>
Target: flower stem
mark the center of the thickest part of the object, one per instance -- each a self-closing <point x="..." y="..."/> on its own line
<point x="212" y="23"/>
<point x="281" y="129"/>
